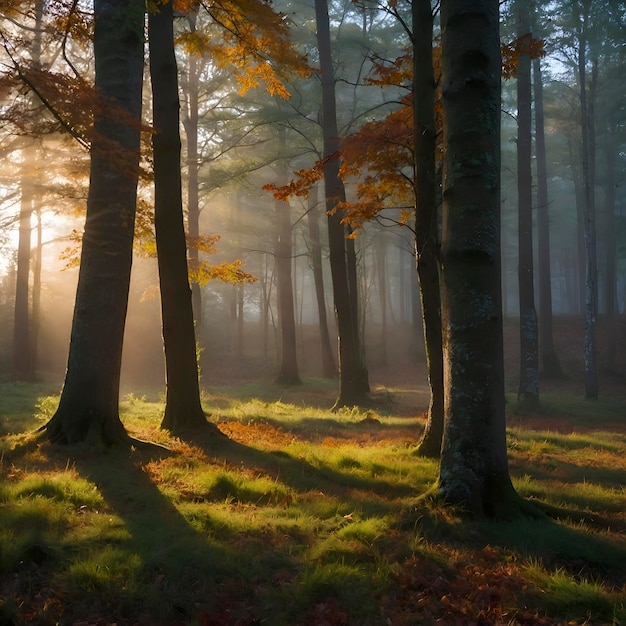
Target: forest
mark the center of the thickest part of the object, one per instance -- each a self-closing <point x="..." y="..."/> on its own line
<point x="312" y="313"/>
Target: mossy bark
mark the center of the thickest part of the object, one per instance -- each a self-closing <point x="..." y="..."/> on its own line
<point x="473" y="468"/>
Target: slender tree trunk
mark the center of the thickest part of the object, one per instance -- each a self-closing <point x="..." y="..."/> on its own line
<point x="88" y="408"/>
<point x="473" y="468"/>
<point x="610" y="292"/>
<point x="380" y="253"/>
<point x="528" y="392"/>
<point x="551" y="365"/>
<point x="288" y="372"/>
<point x="35" y="315"/>
<point x="183" y="410"/>
<point x="190" y="124"/>
<point x="352" y="387"/>
<point x="23" y="364"/>
<point x="329" y="369"/>
<point x="591" y="373"/>
<point x="426" y="235"/>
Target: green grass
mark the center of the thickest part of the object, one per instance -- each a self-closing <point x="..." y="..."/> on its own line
<point x="303" y="517"/>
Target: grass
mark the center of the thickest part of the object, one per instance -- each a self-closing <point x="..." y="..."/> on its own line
<point x="304" y="516"/>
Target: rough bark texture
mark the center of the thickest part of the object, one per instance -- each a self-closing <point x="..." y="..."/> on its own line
<point x="352" y="373"/>
<point x="88" y="408"/>
<point x="183" y="410"/>
<point x="288" y="372"/>
<point x="426" y="235"/>
<point x="549" y="357"/>
<point x="329" y="369"/>
<point x="473" y="468"/>
<point x="528" y="392"/>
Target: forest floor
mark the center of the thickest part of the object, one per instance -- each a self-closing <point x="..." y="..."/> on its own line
<point x="300" y="516"/>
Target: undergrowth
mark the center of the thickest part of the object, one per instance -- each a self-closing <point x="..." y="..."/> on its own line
<point x="301" y="516"/>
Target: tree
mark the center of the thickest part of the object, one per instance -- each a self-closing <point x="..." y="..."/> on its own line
<point x="88" y="408"/>
<point x="426" y="229"/>
<point x="528" y="393"/>
<point x="183" y="409"/>
<point x="353" y="384"/>
<point x="549" y="357"/>
<point x="473" y="470"/>
<point x="288" y="372"/>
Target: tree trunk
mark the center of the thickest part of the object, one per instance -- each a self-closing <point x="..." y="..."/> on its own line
<point x="588" y="156"/>
<point x="528" y="392"/>
<point x="380" y="255"/>
<point x="329" y="369"/>
<point x="549" y="357"/>
<point x="183" y="410"/>
<point x="288" y="372"/>
<point x="473" y="469"/>
<point x="22" y="365"/>
<point x="610" y="291"/>
<point x="190" y="124"/>
<point x="352" y="390"/>
<point x="426" y="235"/>
<point x="88" y="408"/>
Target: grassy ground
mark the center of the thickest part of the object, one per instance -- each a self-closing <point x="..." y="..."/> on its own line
<point x="301" y="516"/>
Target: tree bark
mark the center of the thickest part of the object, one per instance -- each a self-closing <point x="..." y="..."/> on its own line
<point x="352" y="373"/>
<point x="426" y="230"/>
<point x="528" y="391"/>
<point x="473" y="471"/>
<point x="88" y="408"/>
<point x="183" y="410"/>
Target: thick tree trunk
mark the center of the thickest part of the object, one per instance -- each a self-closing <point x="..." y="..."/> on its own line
<point x="426" y="235"/>
<point x="528" y="392"/>
<point x="88" y="408"/>
<point x="352" y="373"/>
<point x="183" y="410"/>
<point x="473" y="468"/>
<point x="329" y="369"/>
<point x="549" y="357"/>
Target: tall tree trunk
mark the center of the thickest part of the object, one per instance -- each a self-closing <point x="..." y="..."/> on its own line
<point x="88" y="408"/>
<point x="329" y="369"/>
<point x="288" y="372"/>
<point x="183" y="410"/>
<point x="528" y="392"/>
<point x="35" y="315"/>
<point x="473" y="468"/>
<point x="190" y="124"/>
<point x="426" y="235"/>
<point x="352" y="387"/>
<point x="380" y="253"/>
<point x="551" y="365"/>
<point x="588" y="156"/>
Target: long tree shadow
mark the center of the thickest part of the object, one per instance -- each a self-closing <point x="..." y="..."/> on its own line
<point x="183" y="566"/>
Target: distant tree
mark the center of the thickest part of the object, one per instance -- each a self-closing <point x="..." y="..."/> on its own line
<point x="528" y="392"/>
<point x="473" y="470"/>
<point x="88" y="408"/>
<point x="549" y="356"/>
<point x="288" y="369"/>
